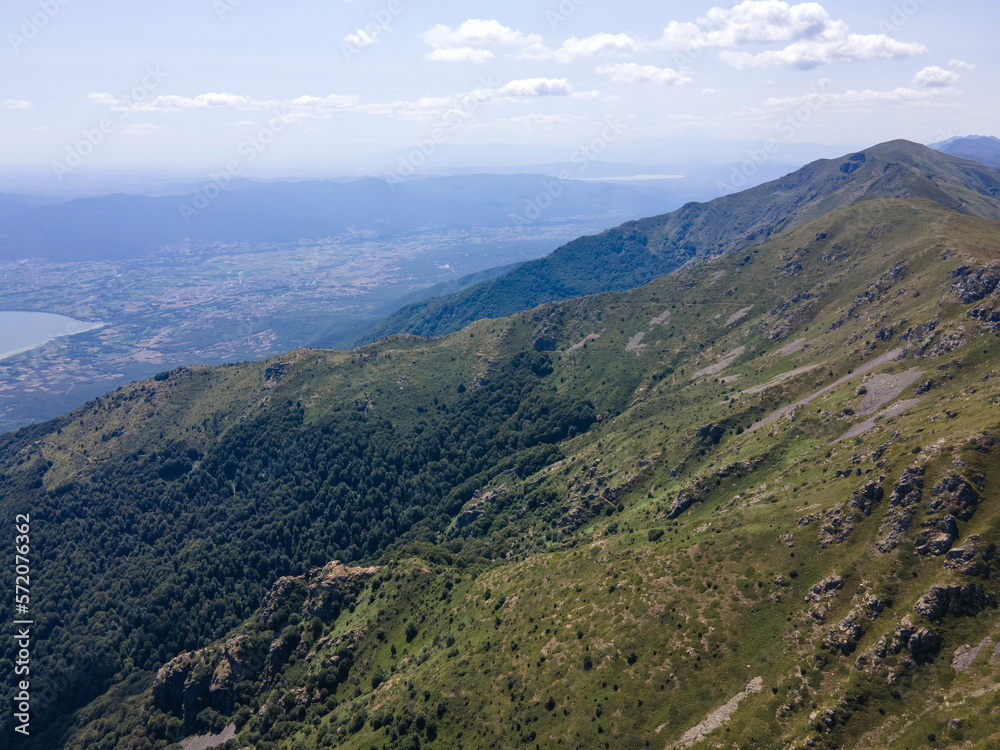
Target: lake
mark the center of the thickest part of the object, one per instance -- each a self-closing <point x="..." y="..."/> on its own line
<point x="21" y="331"/>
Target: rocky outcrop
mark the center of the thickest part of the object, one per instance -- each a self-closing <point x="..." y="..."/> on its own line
<point x="697" y="489"/>
<point x="903" y="501"/>
<point x="974" y="558"/>
<point x="954" y="494"/>
<point x="240" y="661"/>
<point x="938" y="536"/>
<point x="181" y="686"/>
<point x="840" y="520"/>
<point x="962" y="601"/>
<point x="333" y="586"/>
<point x="972" y="286"/>
<point x="210" y="677"/>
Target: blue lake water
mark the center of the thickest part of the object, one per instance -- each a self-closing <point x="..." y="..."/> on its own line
<point x="20" y="331"/>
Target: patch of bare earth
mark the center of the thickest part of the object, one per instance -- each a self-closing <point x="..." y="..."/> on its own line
<point x="738" y="316"/>
<point x="884" y="388"/>
<point x="722" y="364"/>
<point x="206" y="741"/>
<point x="864" y="369"/>
<point x="635" y="343"/>
<point x="719" y="716"/>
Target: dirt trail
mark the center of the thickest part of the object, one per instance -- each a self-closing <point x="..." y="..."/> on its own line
<point x="719" y="716"/>
<point x="659" y="320"/>
<point x="864" y="369"/>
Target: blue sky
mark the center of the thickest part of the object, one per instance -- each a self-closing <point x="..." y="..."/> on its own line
<point x="189" y="83"/>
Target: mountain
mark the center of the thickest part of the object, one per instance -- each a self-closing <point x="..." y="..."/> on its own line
<point x="129" y="226"/>
<point x="640" y="251"/>
<point x="750" y="501"/>
<point x="981" y="148"/>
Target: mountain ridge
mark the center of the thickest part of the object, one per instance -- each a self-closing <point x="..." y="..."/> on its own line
<point x="637" y="252"/>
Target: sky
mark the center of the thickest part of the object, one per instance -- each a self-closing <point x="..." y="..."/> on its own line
<point x="254" y="86"/>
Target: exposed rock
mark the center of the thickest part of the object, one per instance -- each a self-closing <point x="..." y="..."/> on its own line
<point x="920" y="642"/>
<point x="333" y="586"/>
<point x="696" y="490"/>
<point x="825" y="589"/>
<point x="972" y="286"/>
<point x="939" y="537"/>
<point x="239" y="662"/>
<point x="968" y="600"/>
<point x="974" y="558"/>
<point x="181" y="687"/>
<point x="710" y="435"/>
<point x="954" y="494"/>
<point x="844" y="636"/>
<point x="865" y="499"/>
<point x="902" y="507"/>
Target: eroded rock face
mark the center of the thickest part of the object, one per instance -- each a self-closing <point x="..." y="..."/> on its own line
<point x="181" y="686"/>
<point x="209" y="677"/>
<point x="239" y="662"/>
<point x="968" y="600"/>
<point x="973" y="286"/>
<point x="974" y="558"/>
<point x="903" y="501"/>
<point x="332" y="586"/>
<point x="954" y="494"/>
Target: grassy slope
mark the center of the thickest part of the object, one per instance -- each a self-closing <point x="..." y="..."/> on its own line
<point x="640" y="251"/>
<point x="636" y="641"/>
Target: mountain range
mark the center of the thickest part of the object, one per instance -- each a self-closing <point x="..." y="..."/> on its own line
<point x="984" y="149"/>
<point x="640" y="251"/>
<point x="749" y="503"/>
<point x="114" y="227"/>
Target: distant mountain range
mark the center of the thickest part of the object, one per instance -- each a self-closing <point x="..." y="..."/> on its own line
<point x="127" y="226"/>
<point x="982" y="148"/>
<point x="640" y="251"/>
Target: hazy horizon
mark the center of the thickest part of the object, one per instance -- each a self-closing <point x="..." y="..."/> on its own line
<point x="382" y="87"/>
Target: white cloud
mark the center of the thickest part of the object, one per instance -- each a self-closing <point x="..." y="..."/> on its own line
<point x="537" y="87"/>
<point x="634" y="73"/>
<point x="478" y="33"/>
<point x="598" y="44"/>
<point x="708" y="92"/>
<point x="807" y="55"/>
<point x="360" y="39"/>
<point x="963" y="65"/>
<point x="811" y="37"/>
<point x="17" y="104"/>
<point x="936" y="77"/>
<point x="460" y="54"/>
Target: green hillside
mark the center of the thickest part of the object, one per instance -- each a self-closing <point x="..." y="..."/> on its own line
<point x="757" y="493"/>
<point x="640" y="251"/>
